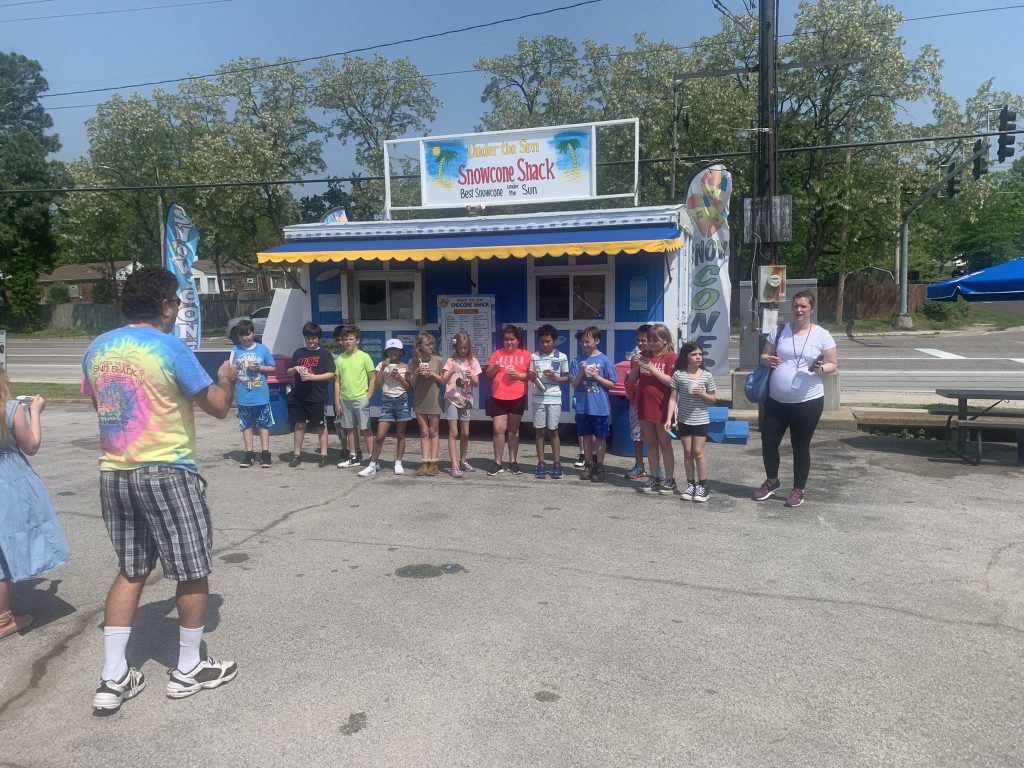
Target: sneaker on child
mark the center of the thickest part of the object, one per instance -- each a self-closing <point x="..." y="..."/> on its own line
<point x="264" y="459"/>
<point x="370" y="471"/>
<point x="597" y="476"/>
<point x="541" y="472"/>
<point x="796" y="497"/>
<point x="495" y="469"/>
<point x="207" y="674"/>
<point x="248" y="461"/>
<point x="688" y="491"/>
<point x="667" y="487"/>
<point x="399" y="469"/>
<point x="556" y="471"/>
<point x="700" y="493"/>
<point x="581" y="462"/>
<point x="650" y="485"/>
<point x="296" y="460"/>
<point x="635" y="473"/>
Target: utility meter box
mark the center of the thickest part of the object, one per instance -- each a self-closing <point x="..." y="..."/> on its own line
<point x="771" y="284"/>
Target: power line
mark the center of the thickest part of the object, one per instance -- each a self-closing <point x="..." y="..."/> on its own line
<point x="25" y="2"/>
<point x="337" y="179"/>
<point x="363" y="49"/>
<point x="107" y="13"/>
<point x="435" y="74"/>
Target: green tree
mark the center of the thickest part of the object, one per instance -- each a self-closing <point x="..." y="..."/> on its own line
<point x="27" y="246"/>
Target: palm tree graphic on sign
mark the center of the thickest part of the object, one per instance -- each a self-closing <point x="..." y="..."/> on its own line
<point x="444" y="156"/>
<point x="569" y="146"/>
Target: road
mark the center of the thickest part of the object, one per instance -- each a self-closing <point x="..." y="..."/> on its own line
<point x="908" y="366"/>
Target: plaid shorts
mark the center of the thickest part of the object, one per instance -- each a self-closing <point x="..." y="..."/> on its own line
<point x="158" y="511"/>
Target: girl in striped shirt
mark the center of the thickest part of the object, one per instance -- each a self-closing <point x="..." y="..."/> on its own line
<point x="695" y="391"/>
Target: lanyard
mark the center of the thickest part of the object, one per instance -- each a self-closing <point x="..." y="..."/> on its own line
<point x="804" y="347"/>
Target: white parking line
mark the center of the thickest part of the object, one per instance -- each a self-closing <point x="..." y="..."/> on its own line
<point x="939" y="353"/>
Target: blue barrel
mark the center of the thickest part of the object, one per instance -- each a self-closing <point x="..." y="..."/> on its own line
<point x="279" y="408"/>
<point x="621" y="443"/>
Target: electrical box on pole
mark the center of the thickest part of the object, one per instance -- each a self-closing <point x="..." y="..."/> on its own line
<point x="1007" y="126"/>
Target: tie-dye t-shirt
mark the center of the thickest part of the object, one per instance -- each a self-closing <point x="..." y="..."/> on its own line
<point x="143" y="382"/>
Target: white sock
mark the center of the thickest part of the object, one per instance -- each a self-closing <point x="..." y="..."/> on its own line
<point x="188" y="648"/>
<point x="115" y="642"/>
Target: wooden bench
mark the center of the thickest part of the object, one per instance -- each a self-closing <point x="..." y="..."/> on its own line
<point x="1000" y="424"/>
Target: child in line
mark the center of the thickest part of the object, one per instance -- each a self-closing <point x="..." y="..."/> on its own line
<point x="695" y="391"/>
<point x="252" y="396"/>
<point x="549" y="370"/>
<point x="356" y="377"/>
<point x="654" y="406"/>
<point x="425" y="373"/>
<point x="31" y="539"/>
<point x="592" y="376"/>
<point x="337" y="348"/>
<point x="392" y="374"/>
<point x="313" y="367"/>
<point x="636" y="430"/>
<point x="461" y="375"/>
<point x="507" y="371"/>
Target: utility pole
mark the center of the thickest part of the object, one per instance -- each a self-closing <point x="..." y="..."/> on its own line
<point x="766" y="187"/>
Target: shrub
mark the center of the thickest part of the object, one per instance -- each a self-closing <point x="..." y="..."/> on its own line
<point x="943" y="311"/>
<point x="58" y="293"/>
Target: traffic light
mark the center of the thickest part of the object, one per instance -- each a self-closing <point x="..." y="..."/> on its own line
<point x="980" y="159"/>
<point x="1007" y="125"/>
<point x="954" y="183"/>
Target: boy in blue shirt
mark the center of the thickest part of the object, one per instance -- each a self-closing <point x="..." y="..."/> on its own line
<point x="253" y="362"/>
<point x="592" y="376"/>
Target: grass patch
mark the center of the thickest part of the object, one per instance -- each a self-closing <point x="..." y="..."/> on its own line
<point x="48" y="390"/>
<point x="960" y="315"/>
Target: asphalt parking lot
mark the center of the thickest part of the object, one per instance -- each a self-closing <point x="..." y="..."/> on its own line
<point x="404" y="621"/>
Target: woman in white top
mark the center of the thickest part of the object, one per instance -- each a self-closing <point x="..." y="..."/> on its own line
<point x="800" y="355"/>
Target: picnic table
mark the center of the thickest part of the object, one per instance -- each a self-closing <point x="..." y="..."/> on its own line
<point x="972" y="421"/>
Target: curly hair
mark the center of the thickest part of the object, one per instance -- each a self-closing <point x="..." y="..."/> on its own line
<point x="143" y="292"/>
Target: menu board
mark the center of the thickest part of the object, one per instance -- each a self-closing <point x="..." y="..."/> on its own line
<point x="472" y="314"/>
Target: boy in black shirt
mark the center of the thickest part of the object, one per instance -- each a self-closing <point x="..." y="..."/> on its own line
<point x="313" y="367"/>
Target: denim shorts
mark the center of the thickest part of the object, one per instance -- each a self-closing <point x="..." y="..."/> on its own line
<point x="591" y="425"/>
<point x="395" y="408"/>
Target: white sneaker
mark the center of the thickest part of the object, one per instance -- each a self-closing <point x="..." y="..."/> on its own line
<point x="399" y="469"/>
<point x="371" y="469"/>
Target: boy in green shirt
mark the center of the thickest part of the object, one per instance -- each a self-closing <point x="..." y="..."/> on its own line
<point x="355" y="374"/>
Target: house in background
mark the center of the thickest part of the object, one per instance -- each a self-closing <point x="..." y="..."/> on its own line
<point x="81" y="279"/>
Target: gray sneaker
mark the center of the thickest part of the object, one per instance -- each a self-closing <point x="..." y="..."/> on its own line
<point x="667" y="487"/>
<point x="650" y="485"/>
<point x="688" y="491"/>
<point x="700" y="493"/>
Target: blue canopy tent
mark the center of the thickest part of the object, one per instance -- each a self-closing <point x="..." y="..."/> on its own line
<point x="1003" y="282"/>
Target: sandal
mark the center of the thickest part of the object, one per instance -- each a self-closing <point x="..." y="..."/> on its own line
<point x="9" y="623"/>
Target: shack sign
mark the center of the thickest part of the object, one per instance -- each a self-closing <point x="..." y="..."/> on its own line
<point x="508" y="167"/>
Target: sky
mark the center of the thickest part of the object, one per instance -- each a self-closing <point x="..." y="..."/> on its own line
<point x="104" y="49"/>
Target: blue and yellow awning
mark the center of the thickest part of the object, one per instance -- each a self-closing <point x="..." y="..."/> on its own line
<point x="651" y="238"/>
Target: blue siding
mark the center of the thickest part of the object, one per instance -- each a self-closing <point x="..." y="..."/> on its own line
<point x="326" y="320"/>
<point x="444" y="277"/>
<point x="631" y="272"/>
<point x="506" y="280"/>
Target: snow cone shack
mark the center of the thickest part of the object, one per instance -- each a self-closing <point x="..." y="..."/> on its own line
<point x="476" y="272"/>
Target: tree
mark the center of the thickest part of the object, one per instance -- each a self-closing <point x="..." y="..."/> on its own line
<point x="27" y="246"/>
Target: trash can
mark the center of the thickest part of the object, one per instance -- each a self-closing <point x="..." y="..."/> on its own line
<point x="279" y="383"/>
<point x="621" y="442"/>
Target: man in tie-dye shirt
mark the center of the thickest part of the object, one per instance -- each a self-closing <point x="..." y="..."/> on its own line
<point x="144" y="383"/>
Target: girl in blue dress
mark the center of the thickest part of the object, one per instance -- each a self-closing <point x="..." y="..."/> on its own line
<point x="31" y="540"/>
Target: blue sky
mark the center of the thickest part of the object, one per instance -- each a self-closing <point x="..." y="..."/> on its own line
<point x="104" y="50"/>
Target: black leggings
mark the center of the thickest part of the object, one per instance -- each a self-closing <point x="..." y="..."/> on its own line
<point x="801" y="419"/>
